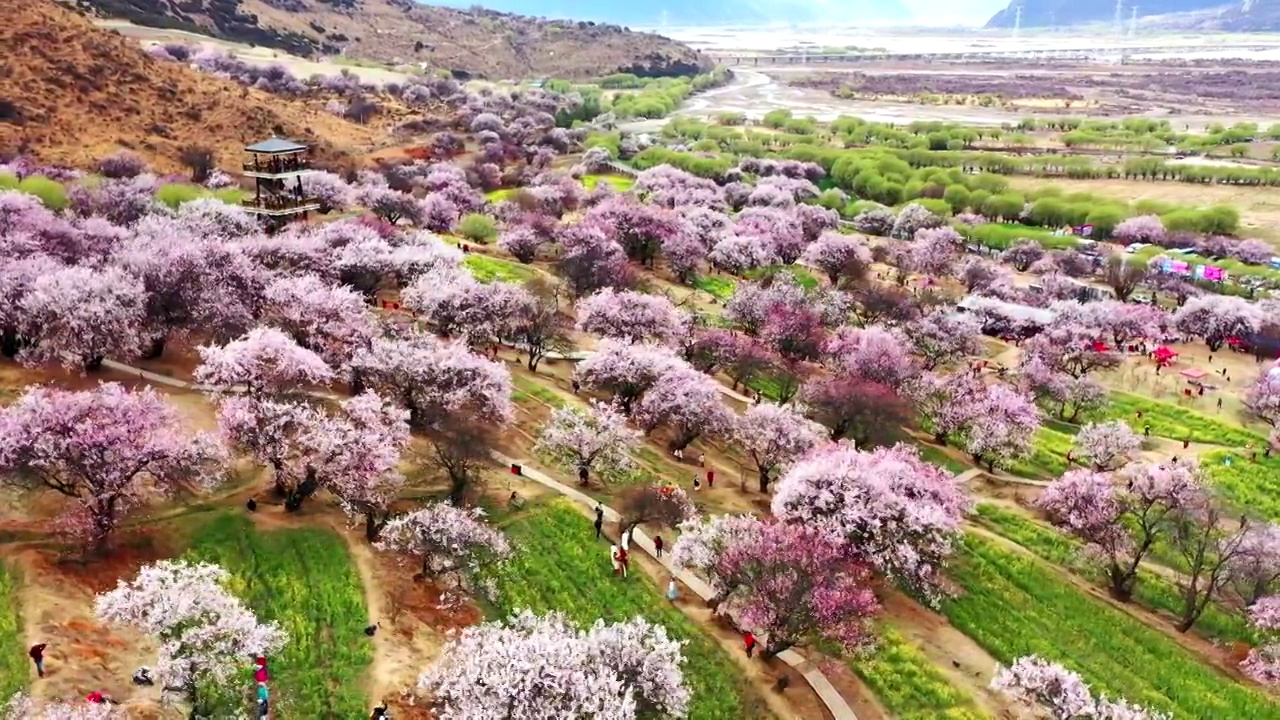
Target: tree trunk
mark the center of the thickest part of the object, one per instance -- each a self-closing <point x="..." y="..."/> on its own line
<point x="93" y="363"/>
<point x="773" y="648"/>
<point x="156" y="349"/>
<point x="1121" y="583"/>
<point x="764" y="481"/>
<point x="293" y="498"/>
<point x="9" y="343"/>
<point x="373" y="525"/>
<point x="534" y="359"/>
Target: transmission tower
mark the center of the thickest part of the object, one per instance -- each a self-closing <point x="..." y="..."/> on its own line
<point x="1133" y="21"/>
<point x="1119" y="18"/>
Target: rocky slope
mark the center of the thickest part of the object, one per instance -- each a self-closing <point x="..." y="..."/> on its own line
<point x="706" y="12"/>
<point x="469" y="43"/>
<point x="76" y="92"/>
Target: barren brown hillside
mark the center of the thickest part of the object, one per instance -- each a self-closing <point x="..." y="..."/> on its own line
<point x="471" y="43"/>
<point x="72" y="92"/>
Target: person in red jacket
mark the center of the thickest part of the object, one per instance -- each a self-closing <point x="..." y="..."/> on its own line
<point x="260" y="670"/>
<point x="750" y="641"/>
<point x="96" y="697"/>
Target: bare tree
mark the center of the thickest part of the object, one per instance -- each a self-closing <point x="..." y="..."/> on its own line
<point x="1123" y="276"/>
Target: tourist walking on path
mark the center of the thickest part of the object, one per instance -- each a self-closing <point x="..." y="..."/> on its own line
<point x="37" y="656"/>
<point x="697" y="483"/>
<point x="711" y="479"/>
<point x="615" y="558"/>
<point x="599" y="523"/>
<point x="262" y="701"/>
<point x="623" y="560"/>
<point x="672" y="591"/>
<point x="750" y="641"/>
<point x="657" y="546"/>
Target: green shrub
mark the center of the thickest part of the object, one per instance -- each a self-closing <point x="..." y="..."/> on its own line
<point x="51" y="193"/>
<point x="477" y="228"/>
<point x="175" y="194"/>
<point x="8" y="182"/>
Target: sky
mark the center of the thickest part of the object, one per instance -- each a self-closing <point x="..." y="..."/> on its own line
<point x="954" y="12"/>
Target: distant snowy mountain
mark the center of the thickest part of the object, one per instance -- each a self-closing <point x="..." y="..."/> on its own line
<point x="702" y="12"/>
<point x="1231" y="15"/>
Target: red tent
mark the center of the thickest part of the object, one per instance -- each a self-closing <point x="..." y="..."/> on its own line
<point x="1099" y="346"/>
<point x="1163" y="355"/>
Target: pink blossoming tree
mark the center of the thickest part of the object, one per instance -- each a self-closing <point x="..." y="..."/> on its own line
<point x="1122" y="520"/>
<point x="265" y="361"/>
<point x="630" y="316"/>
<point x="447" y="542"/>
<point x="1106" y="445"/>
<point x="107" y="449"/>
<point x="595" y="442"/>
<point x="902" y="514"/>
<point x="1063" y="693"/>
<point x="687" y="403"/>
<point x="77" y="316"/>
<point x="1263" y="662"/>
<point x="774" y="437"/>
<point x="788" y="582"/>
<point x="625" y="371"/>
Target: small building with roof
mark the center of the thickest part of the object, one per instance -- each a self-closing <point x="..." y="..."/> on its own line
<point x="277" y="166"/>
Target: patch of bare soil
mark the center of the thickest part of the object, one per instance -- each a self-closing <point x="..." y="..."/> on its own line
<point x="83" y="654"/>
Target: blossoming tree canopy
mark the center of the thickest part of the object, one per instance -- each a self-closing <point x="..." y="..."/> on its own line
<point x="446" y="540"/>
<point x="263" y="361"/>
<point x="1064" y="693"/>
<point x="532" y="667"/>
<point x="786" y="581"/>
<point x="107" y="448"/>
<point x="206" y="634"/>
<point x="901" y="513"/>
<point x="594" y="442"/>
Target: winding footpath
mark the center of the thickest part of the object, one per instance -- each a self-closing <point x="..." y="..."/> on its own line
<point x="822" y="686"/>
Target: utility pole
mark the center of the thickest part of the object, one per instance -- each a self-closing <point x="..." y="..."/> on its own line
<point x="1133" y="21"/>
<point x="1119" y="18"/>
<point x="1017" y="20"/>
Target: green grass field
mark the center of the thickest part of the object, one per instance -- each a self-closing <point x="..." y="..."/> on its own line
<point x="621" y="183"/>
<point x="806" y="279"/>
<point x="490" y="269"/>
<point x="559" y="566"/>
<point x="1014" y="605"/>
<point x="720" y="287"/>
<point x="302" y="579"/>
<point x="939" y="457"/>
<point x="1153" y="591"/>
<point x="908" y="685"/>
<point x="14" y="664"/>
<point x="1048" y="458"/>
<point x="1249" y="485"/>
<point x="1168" y="420"/>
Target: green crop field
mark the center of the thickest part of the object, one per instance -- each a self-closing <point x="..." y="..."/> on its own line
<point x="720" y="287"/>
<point x="1247" y="484"/>
<point x="1152" y="591"/>
<point x="621" y="183"/>
<point x="1048" y="457"/>
<point x="14" y="664"/>
<point x="1014" y="605"/>
<point x="908" y="685"/>
<point x="490" y="269"/>
<point x="302" y="579"/>
<point x="1174" y="422"/>
<point x="559" y="566"/>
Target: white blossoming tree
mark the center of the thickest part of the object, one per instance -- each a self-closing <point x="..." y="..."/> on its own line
<point x="207" y="636"/>
<point x="534" y="667"/>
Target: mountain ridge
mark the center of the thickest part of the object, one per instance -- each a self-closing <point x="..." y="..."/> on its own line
<point x="707" y="13"/>
<point x="467" y="43"/>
